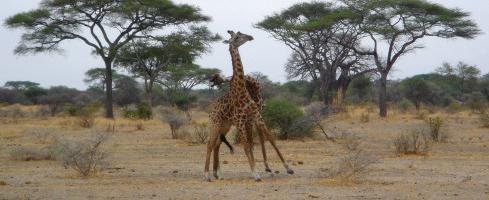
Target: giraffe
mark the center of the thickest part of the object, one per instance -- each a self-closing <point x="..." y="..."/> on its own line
<point x="220" y="111"/>
<point x="242" y="111"/>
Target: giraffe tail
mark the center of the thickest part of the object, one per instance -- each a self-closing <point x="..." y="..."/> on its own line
<point x="223" y="139"/>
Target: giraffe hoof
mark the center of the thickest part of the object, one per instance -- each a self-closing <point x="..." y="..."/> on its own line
<point x="290" y="171"/>
<point x="257" y="177"/>
<point x="207" y="178"/>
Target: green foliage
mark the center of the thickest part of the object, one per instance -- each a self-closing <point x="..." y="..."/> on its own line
<point x="282" y="115"/>
<point x="184" y="102"/>
<point x="454" y="107"/>
<point x="419" y="91"/>
<point x="405" y="105"/>
<point x="477" y="102"/>
<point x="141" y="111"/>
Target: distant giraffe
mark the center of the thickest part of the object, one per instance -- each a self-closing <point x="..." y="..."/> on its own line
<point x="243" y="112"/>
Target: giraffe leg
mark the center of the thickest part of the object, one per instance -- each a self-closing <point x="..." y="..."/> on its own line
<point x="264" y="152"/>
<point x="210" y="146"/>
<point x="247" y="144"/>
<point x="216" y="166"/>
<point x="263" y="129"/>
<point x="224" y="129"/>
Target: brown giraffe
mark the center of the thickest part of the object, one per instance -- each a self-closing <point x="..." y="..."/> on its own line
<point x="243" y="112"/>
<point x="222" y="112"/>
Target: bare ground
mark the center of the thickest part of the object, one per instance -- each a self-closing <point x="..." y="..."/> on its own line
<point x="148" y="165"/>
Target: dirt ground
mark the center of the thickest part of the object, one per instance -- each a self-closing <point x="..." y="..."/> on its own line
<point x="149" y="165"/>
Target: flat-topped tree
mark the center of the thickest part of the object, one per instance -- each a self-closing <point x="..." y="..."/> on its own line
<point x="311" y="31"/>
<point x="150" y="58"/>
<point x="393" y="28"/>
<point x="104" y="25"/>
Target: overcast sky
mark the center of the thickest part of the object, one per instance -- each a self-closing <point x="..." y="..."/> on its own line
<point x="264" y="54"/>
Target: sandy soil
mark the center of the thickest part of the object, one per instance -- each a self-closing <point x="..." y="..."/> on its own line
<point x="148" y="165"/>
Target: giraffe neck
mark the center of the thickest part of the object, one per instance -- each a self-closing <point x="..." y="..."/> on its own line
<point x="238" y="81"/>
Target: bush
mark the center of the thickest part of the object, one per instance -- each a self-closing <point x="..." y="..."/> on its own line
<point x="141" y="111"/>
<point x="316" y="112"/>
<point x="13" y="112"/>
<point x="435" y="125"/>
<point x="454" y="107"/>
<point x="85" y="157"/>
<point x="405" y="105"/>
<point x="282" y="115"/>
<point x="43" y="135"/>
<point x="477" y="102"/>
<point x="174" y="119"/>
<point x="43" y="112"/>
<point x="201" y="133"/>
<point x="86" y="115"/>
<point x="354" y="165"/>
<point x="365" y="117"/>
<point x="301" y="128"/>
<point x="30" y="154"/>
<point x="415" y="143"/>
<point x="484" y="120"/>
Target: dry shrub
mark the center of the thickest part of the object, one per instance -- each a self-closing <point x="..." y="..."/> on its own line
<point x="364" y="117"/>
<point x="421" y="115"/>
<point x="415" y="143"/>
<point x="139" y="126"/>
<point x="436" y="125"/>
<point x="85" y="157"/>
<point x="86" y="115"/>
<point x="43" y="135"/>
<point x="175" y="119"/>
<point x="14" y="113"/>
<point x="354" y="165"/>
<point x="484" y="120"/>
<point x="31" y="154"/>
<point x="315" y="113"/>
<point x="201" y="133"/>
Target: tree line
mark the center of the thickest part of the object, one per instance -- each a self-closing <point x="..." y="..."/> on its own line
<point x="451" y="86"/>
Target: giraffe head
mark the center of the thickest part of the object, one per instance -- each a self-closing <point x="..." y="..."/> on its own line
<point x="238" y="39"/>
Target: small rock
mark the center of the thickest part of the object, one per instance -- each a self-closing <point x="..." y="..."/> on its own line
<point x="132" y="170"/>
<point x="3" y="183"/>
<point x="154" y="195"/>
<point x="277" y="172"/>
<point x="313" y="196"/>
<point x="175" y="171"/>
<point x="28" y="182"/>
<point x="300" y="162"/>
<point x="225" y="162"/>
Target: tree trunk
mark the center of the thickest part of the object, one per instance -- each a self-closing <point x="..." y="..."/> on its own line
<point x="149" y="92"/>
<point x="109" y="112"/>
<point x="383" y="95"/>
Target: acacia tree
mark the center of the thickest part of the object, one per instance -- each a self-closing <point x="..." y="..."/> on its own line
<point x="97" y="77"/>
<point x="149" y="58"/>
<point x="312" y="32"/>
<point x="179" y="80"/>
<point x="393" y="28"/>
<point x="104" y="25"/>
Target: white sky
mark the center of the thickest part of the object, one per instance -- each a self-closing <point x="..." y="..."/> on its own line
<point x="264" y="54"/>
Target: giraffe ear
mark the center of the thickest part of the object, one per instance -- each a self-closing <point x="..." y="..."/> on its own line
<point x="231" y="32"/>
<point x="226" y="41"/>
